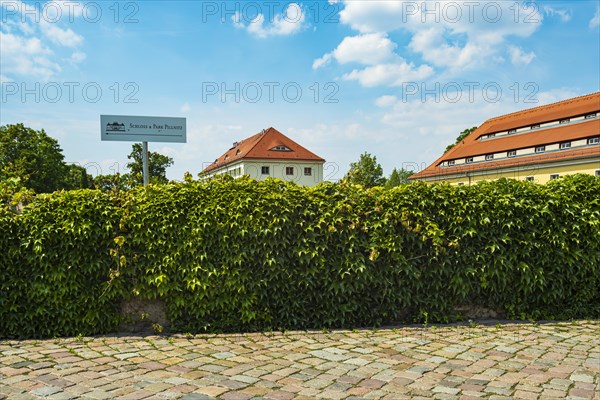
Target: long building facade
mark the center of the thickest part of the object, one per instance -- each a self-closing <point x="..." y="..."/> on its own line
<point x="538" y="144"/>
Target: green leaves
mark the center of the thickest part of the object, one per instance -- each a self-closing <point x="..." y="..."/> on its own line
<point x="240" y="255"/>
<point x="54" y="280"/>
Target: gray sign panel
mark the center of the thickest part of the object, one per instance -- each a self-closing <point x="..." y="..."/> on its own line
<point x="130" y="128"/>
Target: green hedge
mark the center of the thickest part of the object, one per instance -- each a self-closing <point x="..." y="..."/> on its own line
<point x="54" y="280"/>
<point x="237" y="255"/>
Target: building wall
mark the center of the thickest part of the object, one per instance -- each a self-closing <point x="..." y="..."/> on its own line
<point x="277" y="169"/>
<point x="540" y="173"/>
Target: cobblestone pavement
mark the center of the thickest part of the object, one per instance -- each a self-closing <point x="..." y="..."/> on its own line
<point x="508" y="361"/>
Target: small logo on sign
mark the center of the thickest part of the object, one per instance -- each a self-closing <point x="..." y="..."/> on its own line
<point x="115" y="127"/>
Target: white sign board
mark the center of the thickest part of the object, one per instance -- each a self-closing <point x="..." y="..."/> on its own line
<point x="129" y="128"/>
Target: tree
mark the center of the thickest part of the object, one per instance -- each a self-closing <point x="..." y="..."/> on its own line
<point x="398" y="178"/>
<point x="460" y="137"/>
<point x="33" y="157"/>
<point x="113" y="182"/>
<point x="77" y="178"/>
<point x="157" y="165"/>
<point x="366" y="172"/>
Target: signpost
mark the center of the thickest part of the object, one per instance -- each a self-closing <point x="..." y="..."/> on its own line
<point x="129" y="128"/>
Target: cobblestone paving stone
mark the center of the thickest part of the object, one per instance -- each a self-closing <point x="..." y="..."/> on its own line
<point x="507" y="361"/>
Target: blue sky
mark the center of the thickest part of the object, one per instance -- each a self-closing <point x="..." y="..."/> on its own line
<point x="398" y="79"/>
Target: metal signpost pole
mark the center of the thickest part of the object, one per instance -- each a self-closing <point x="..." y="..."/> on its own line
<point x="145" y="163"/>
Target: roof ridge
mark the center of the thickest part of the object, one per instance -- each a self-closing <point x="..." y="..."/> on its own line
<point x="551" y="105"/>
<point x="262" y="133"/>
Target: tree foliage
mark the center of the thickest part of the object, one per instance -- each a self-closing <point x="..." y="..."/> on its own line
<point x="397" y="178"/>
<point x="366" y="172"/>
<point x="36" y="160"/>
<point x="114" y="182"/>
<point x="33" y="157"/>
<point x="460" y="137"/>
<point x="157" y="165"/>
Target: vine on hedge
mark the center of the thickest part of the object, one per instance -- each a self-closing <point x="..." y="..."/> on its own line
<point x="239" y="255"/>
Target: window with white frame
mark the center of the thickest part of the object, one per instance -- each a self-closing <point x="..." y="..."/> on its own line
<point x="529" y="178"/>
<point x="469" y="160"/>
<point x="565" y="145"/>
<point x="554" y="176"/>
<point x="536" y="126"/>
<point x="511" y="131"/>
<point x="307" y="171"/>
<point x="597" y="172"/>
<point x="265" y="170"/>
<point x="289" y="170"/>
<point x="592" y="115"/>
<point x="451" y="163"/>
<point x="489" y="157"/>
<point x="593" y="140"/>
<point x="564" y="121"/>
<point x="540" y="149"/>
<point x="512" y="153"/>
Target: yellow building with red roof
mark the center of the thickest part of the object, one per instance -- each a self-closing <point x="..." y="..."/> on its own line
<point x="538" y="144"/>
<point x="269" y="153"/>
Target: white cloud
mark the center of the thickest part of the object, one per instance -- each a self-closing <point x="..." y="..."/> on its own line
<point x="595" y="21"/>
<point x="441" y="118"/>
<point x="447" y="34"/>
<point x="289" y="22"/>
<point x="555" y="95"/>
<point x="60" y="10"/>
<point x="386" y="101"/>
<point x="436" y="50"/>
<point x="33" y="41"/>
<point x="376" y="51"/>
<point x="394" y="74"/>
<point x="27" y="57"/>
<point x="518" y="56"/>
<point x="63" y="37"/>
<point x="78" y="57"/>
<point x="564" y="15"/>
<point x="369" y="49"/>
<point x="319" y="62"/>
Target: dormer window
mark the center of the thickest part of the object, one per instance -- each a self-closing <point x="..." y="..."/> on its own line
<point x="592" y="115"/>
<point x="491" y="135"/>
<point x="540" y="149"/>
<point x="469" y="160"/>
<point x="281" y="148"/>
<point x="594" y="140"/>
<point x="489" y="157"/>
<point x="451" y="163"/>
<point x="511" y="131"/>
<point x="237" y="152"/>
<point x="226" y="157"/>
<point x="565" y="145"/>
<point x="564" y="121"/>
<point x="536" y="126"/>
<point x="512" y="153"/>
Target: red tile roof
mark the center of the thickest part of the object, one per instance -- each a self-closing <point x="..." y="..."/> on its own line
<point x="471" y="146"/>
<point x="589" y="152"/>
<point x="534" y="138"/>
<point x="259" y="147"/>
